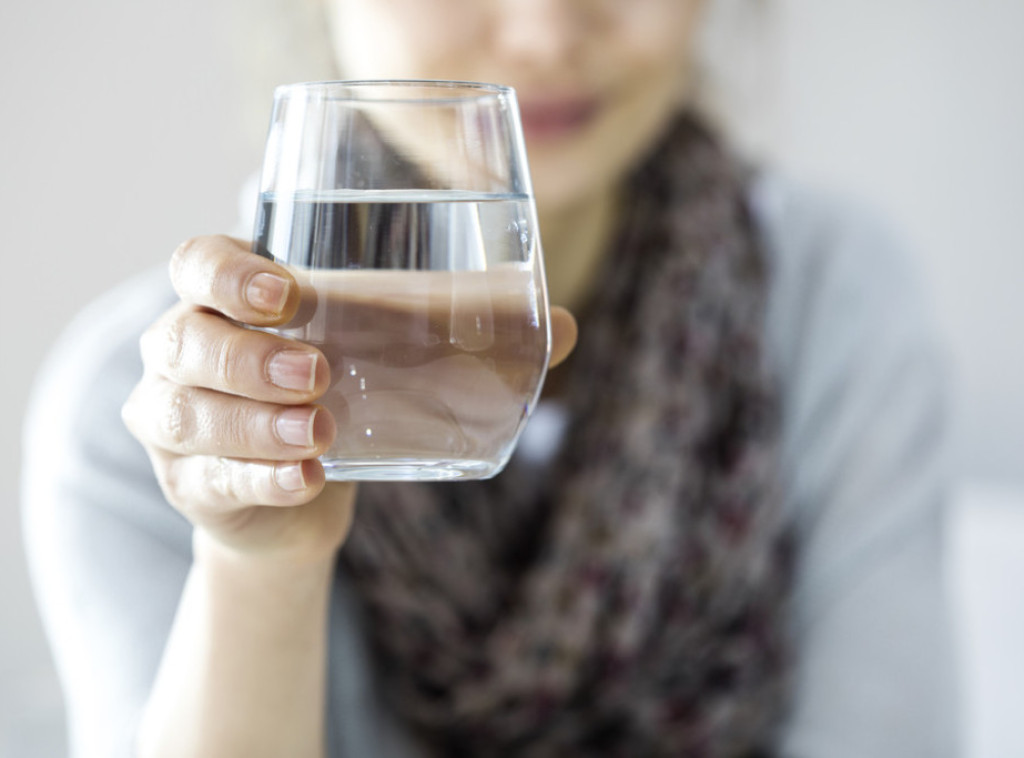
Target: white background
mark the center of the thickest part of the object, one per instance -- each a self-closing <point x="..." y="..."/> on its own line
<point x="120" y="135"/>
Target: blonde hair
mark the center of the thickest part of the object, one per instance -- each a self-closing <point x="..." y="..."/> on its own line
<point x="278" y="41"/>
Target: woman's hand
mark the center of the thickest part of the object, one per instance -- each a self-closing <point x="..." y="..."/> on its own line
<point x="228" y="414"/>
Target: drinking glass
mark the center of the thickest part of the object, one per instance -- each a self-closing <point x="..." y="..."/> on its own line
<point x="405" y="212"/>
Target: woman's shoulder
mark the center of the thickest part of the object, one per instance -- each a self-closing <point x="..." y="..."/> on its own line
<point x="105" y="332"/>
<point x="125" y="308"/>
<point x="841" y="275"/>
<point x="74" y="410"/>
<point x="851" y="337"/>
<point x="812" y="232"/>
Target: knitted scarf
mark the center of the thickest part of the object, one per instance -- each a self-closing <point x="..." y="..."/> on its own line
<point x="630" y="602"/>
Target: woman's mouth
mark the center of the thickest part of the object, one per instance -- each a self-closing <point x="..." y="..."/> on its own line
<point x="552" y="118"/>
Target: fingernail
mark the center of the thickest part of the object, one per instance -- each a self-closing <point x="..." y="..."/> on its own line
<point x="289" y="476"/>
<point x="295" y="427"/>
<point x="267" y="293"/>
<point x="293" y="370"/>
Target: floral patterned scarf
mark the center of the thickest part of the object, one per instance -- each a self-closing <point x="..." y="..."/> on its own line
<point x="630" y="601"/>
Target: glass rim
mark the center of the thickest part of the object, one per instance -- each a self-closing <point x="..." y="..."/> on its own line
<point x="445" y="88"/>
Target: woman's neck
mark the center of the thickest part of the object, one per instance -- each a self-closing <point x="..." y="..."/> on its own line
<point x="575" y="239"/>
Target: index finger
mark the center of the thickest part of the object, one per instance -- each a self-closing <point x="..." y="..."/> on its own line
<point x="220" y="273"/>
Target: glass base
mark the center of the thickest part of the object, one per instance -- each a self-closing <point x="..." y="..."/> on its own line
<point x="407" y="470"/>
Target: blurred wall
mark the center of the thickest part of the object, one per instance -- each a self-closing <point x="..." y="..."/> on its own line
<point x="918" y="106"/>
<point x="119" y="138"/>
<point x="115" y="144"/>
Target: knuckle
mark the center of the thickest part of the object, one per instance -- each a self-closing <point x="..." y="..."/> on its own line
<point x="164" y="343"/>
<point x="233" y="481"/>
<point x="182" y="257"/>
<point x="236" y="426"/>
<point x="200" y="264"/>
<point x="220" y="477"/>
<point x="230" y="273"/>
<point x="170" y="478"/>
<point x="221" y="266"/>
<point x="178" y="421"/>
<point x="227" y="359"/>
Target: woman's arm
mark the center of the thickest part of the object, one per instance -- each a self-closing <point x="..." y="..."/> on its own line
<point x="226" y="416"/>
<point x="108" y="555"/>
<point x="113" y="526"/>
<point x="866" y="456"/>
<point x="876" y="664"/>
<point x="244" y="668"/>
<point x="217" y="417"/>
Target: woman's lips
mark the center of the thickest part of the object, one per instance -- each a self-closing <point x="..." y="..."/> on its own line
<point x="553" y="118"/>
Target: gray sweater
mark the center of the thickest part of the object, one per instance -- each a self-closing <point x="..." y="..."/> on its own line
<point x="864" y="465"/>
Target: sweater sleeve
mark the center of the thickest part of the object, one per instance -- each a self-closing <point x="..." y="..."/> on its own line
<point x="865" y="442"/>
<point x="108" y="555"/>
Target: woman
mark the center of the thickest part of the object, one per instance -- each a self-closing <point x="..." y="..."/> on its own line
<point x="722" y="536"/>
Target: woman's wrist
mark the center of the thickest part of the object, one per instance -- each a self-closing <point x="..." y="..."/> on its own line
<point x="210" y="554"/>
<point x="244" y="670"/>
<point x="301" y="540"/>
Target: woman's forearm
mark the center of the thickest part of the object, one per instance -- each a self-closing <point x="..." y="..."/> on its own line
<point x="244" y="669"/>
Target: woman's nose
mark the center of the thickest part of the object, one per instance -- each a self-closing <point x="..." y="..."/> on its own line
<point x="542" y="32"/>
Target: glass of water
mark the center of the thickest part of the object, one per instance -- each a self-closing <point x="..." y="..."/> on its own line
<point x="405" y="212"/>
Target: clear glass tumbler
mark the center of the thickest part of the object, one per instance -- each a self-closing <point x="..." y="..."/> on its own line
<point x="404" y="209"/>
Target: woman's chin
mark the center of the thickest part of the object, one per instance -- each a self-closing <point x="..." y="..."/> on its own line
<point x="561" y="183"/>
